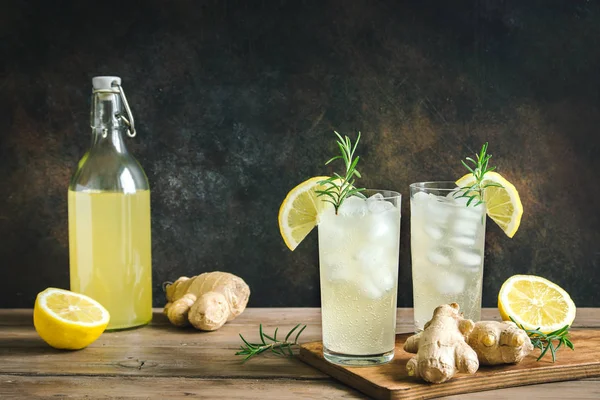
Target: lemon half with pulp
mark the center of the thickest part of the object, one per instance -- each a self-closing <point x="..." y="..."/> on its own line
<point x="535" y="302"/>
<point x="68" y="320"/>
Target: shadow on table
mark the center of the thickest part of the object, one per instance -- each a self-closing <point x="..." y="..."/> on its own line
<point x="26" y="346"/>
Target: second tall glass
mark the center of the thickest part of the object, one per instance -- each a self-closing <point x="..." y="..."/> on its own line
<point x="447" y="243"/>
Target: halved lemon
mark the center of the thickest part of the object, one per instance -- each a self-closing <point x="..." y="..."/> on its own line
<point x="299" y="212"/>
<point x="503" y="203"/>
<point x="68" y="320"/>
<point x="535" y="302"/>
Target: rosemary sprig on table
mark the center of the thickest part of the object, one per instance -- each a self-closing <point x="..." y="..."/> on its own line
<point x="479" y="169"/>
<point x="545" y="341"/>
<point x="267" y="342"/>
<point x="338" y="187"/>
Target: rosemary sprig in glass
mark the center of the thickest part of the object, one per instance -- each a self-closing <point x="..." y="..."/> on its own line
<point x="338" y="187"/>
<point x="267" y="342"/>
<point x="479" y="168"/>
<point x="545" y="341"/>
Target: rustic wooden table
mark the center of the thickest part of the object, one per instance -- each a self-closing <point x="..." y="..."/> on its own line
<point x="161" y="361"/>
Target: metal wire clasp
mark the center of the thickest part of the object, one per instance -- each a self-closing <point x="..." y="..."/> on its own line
<point x="128" y="121"/>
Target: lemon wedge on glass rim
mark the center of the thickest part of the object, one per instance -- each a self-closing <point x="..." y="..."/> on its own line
<point x="299" y="211"/>
<point x="68" y="320"/>
<point x="535" y="302"/>
<point x="503" y="204"/>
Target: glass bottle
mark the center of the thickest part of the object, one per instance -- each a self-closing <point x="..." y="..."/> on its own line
<point x="109" y="215"/>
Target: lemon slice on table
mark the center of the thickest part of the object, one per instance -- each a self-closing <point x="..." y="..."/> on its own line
<point x="299" y="212"/>
<point x="535" y="302"/>
<point x="503" y="203"/>
<point x="68" y="320"/>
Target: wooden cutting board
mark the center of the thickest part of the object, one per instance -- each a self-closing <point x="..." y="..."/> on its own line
<point x="390" y="381"/>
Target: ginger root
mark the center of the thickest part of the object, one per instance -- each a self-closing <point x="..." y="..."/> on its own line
<point x="441" y="348"/>
<point x="499" y="342"/>
<point x="206" y="301"/>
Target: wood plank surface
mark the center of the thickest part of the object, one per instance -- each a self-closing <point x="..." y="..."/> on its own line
<point x="170" y="388"/>
<point x="40" y="387"/>
<point x="161" y="361"/>
<point x="391" y="381"/>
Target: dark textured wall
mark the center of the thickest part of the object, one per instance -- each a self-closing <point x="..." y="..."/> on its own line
<point x="236" y="101"/>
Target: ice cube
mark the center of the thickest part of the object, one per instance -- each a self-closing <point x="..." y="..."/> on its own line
<point x="375" y="197"/>
<point x="379" y="228"/>
<point x="467" y="258"/>
<point x="383" y="277"/>
<point x="369" y="289"/>
<point x="377" y="204"/>
<point x="438" y="257"/>
<point x="327" y="258"/>
<point x="378" y="207"/>
<point x="451" y="283"/>
<point x="327" y="212"/>
<point x="434" y="232"/>
<point x="464" y="200"/>
<point x="340" y="272"/>
<point x="439" y="209"/>
<point x="418" y="204"/>
<point x="470" y="214"/>
<point x="370" y="257"/>
<point x="453" y="194"/>
<point x="353" y="206"/>
<point x="471" y="211"/>
<point x="383" y="228"/>
<point x="333" y="232"/>
<point x="463" y="241"/>
<point x="466" y="227"/>
<point x="419" y="197"/>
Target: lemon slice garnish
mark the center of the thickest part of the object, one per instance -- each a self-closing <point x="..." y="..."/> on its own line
<point x="299" y="212"/>
<point x="503" y="204"/>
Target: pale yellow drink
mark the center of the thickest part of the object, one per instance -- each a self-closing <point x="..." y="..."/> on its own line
<point x="110" y="253"/>
<point x="358" y="257"/>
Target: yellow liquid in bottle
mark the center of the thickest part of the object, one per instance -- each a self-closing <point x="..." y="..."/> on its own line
<point x="110" y="253"/>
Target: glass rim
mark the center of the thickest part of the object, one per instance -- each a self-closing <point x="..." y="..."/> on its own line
<point x="394" y="194"/>
<point x="448" y="186"/>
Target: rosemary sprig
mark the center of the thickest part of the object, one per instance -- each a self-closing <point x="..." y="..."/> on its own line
<point x="267" y="342"/>
<point x="545" y="341"/>
<point x="479" y="169"/>
<point x="339" y="187"/>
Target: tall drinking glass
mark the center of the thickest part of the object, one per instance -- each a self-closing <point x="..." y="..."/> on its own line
<point x="358" y="257"/>
<point x="447" y="242"/>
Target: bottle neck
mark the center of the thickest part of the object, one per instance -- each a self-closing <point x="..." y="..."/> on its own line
<point x="107" y="127"/>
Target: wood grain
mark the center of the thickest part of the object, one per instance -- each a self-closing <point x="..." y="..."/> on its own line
<point x="170" y="388"/>
<point x="161" y="361"/>
<point x="391" y="381"/>
<point x="40" y="387"/>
